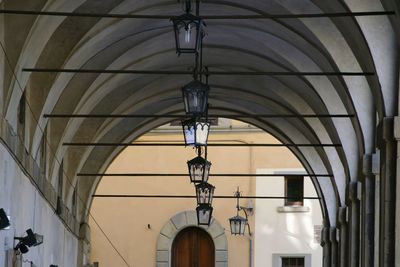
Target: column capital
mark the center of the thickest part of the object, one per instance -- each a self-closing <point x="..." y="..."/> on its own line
<point x="334" y="234"/>
<point x="396" y="128"/>
<point x="343" y="215"/>
<point x="325" y="236"/>
<point x="354" y="191"/>
<point x="367" y="164"/>
<point x="84" y="232"/>
<point x="371" y="164"/>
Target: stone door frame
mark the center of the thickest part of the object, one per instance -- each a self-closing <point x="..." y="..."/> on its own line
<point x="189" y="219"/>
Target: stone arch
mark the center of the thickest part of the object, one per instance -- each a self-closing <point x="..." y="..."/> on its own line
<point x="181" y="221"/>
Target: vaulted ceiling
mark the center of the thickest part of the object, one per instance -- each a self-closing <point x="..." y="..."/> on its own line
<point x="329" y="44"/>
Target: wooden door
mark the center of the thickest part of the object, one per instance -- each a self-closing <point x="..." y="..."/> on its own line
<point x="193" y="247"/>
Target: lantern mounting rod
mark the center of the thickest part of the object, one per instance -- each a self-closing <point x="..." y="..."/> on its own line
<point x="167" y="17"/>
<point x="228" y="116"/>
<point x="99" y="144"/>
<point x="214" y="175"/>
<point x="191" y="196"/>
<point x="183" y="72"/>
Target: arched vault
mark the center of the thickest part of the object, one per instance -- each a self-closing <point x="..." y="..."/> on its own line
<point x="339" y="44"/>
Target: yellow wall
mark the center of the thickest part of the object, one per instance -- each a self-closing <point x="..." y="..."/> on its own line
<point x="125" y="220"/>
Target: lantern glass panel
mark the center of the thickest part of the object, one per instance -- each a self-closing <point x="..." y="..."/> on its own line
<point x="238" y="225"/>
<point x="188" y="33"/>
<point x="204" y="214"/>
<point x="242" y="227"/>
<point x="199" y="170"/>
<point x="202" y="130"/>
<point x="204" y="193"/>
<point x="195" y="132"/>
<point x="195" y="97"/>
<point x="188" y="36"/>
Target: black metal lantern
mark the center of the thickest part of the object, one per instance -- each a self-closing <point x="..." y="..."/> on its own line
<point x="199" y="169"/>
<point x="189" y="32"/>
<point x="195" y="132"/>
<point x="195" y="98"/>
<point x="204" y="193"/>
<point x="238" y="225"/>
<point x="204" y="214"/>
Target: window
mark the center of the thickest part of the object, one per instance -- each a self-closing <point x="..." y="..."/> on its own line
<point x="74" y="202"/>
<point x="60" y="188"/>
<point x="21" y="109"/>
<point x="60" y="179"/>
<point x="292" y="262"/>
<point x="294" y="190"/>
<point x="21" y="118"/>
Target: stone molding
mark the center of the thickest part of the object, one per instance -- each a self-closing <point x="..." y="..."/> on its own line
<point x="181" y="221"/>
<point x="290" y="209"/>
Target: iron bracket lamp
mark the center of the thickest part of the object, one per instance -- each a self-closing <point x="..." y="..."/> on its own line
<point x="4" y="220"/>
<point x="238" y="223"/>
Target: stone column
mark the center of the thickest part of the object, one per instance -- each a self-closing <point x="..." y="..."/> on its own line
<point x="84" y="245"/>
<point x="343" y="238"/>
<point x="334" y="238"/>
<point x="387" y="214"/>
<point x="377" y="186"/>
<point x="326" y="247"/>
<point x="354" y="190"/>
<point x="368" y="210"/>
<point x="397" y="229"/>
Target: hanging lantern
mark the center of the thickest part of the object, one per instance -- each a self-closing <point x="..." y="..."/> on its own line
<point x="204" y="214"/>
<point x="189" y="32"/>
<point x="195" y="132"/>
<point x="238" y="225"/>
<point x="199" y="169"/>
<point x="195" y="98"/>
<point x="204" y="193"/>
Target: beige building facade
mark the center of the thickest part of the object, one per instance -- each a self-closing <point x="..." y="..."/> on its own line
<point x="137" y="226"/>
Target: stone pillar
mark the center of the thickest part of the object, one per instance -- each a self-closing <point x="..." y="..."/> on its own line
<point x="354" y="190"/>
<point x="84" y="245"/>
<point x="334" y="238"/>
<point x="326" y="246"/>
<point x="343" y="237"/>
<point x="387" y="145"/>
<point x="368" y="210"/>
<point x="397" y="229"/>
<point x="376" y="166"/>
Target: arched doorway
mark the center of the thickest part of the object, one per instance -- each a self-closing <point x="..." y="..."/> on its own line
<point x="193" y="247"/>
